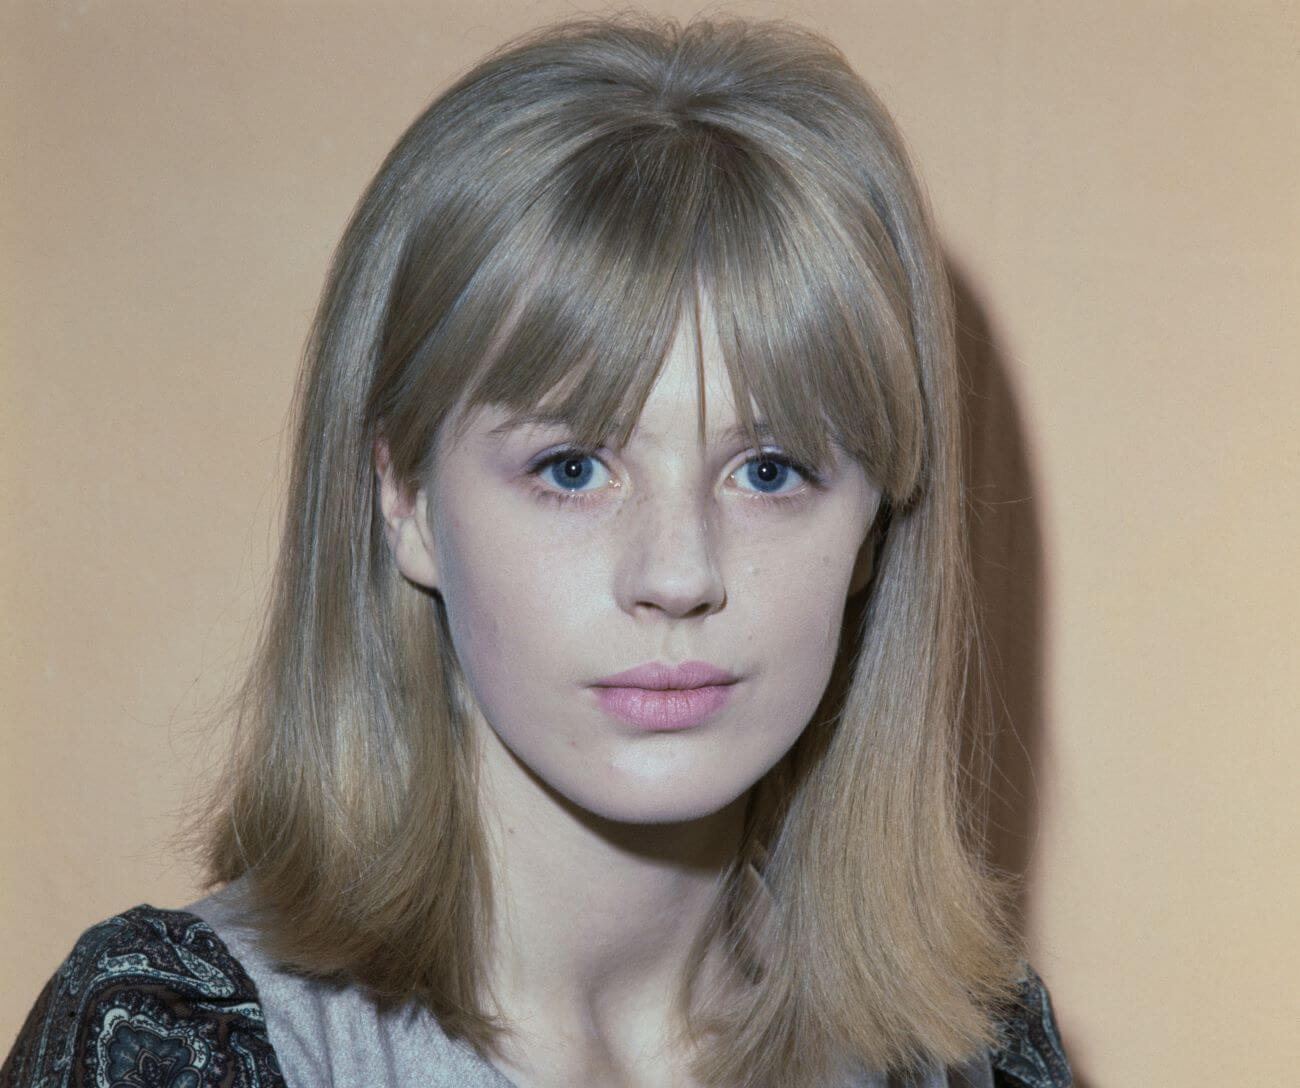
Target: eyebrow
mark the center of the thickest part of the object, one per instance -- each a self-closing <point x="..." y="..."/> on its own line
<point x="528" y="419"/>
<point x="543" y="419"/>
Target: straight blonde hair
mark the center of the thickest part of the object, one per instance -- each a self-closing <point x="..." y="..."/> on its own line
<point x="537" y="235"/>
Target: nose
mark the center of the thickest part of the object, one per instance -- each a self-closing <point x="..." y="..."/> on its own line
<point x="670" y="564"/>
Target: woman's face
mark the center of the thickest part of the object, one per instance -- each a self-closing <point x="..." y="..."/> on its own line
<point x="561" y="569"/>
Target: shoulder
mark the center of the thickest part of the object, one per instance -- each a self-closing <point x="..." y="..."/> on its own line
<point x="148" y="996"/>
<point x="1030" y="1053"/>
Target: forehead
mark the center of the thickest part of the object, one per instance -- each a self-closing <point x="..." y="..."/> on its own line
<point x="702" y="374"/>
<point x="692" y="391"/>
<point x="691" y="395"/>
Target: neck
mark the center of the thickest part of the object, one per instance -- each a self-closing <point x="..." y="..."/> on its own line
<point x="594" y="920"/>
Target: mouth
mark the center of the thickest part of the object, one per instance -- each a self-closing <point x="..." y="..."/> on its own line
<point x="657" y="676"/>
<point x="660" y="698"/>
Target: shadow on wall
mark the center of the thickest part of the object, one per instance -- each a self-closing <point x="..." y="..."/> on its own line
<point x="1007" y="558"/>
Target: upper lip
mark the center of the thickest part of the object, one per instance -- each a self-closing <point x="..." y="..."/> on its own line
<point x="657" y="676"/>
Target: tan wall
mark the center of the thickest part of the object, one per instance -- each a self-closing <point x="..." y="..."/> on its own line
<point x="1118" y="186"/>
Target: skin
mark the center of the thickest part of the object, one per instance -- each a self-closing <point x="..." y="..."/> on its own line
<point x="608" y="839"/>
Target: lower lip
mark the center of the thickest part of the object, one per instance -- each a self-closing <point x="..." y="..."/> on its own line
<point x="669" y="709"/>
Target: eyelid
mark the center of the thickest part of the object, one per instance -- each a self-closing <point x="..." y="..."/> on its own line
<point x="556" y="454"/>
<point x="562" y="453"/>
<point x="806" y="483"/>
<point x="809" y="478"/>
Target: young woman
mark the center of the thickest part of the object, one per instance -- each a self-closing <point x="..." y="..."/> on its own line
<point x="605" y="727"/>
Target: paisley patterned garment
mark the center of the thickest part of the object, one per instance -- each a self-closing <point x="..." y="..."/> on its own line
<point x="154" y="999"/>
<point x="148" y="999"/>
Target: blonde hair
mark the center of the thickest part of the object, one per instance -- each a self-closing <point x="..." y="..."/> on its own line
<point x="538" y="233"/>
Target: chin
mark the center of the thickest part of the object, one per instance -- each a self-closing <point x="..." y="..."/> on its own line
<point x="671" y="778"/>
<point x="661" y="798"/>
<point x="656" y="808"/>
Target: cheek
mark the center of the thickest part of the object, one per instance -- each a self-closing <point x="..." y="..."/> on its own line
<point x="512" y="600"/>
<point x="471" y="596"/>
<point x="806" y="651"/>
<point x="798" y="594"/>
<point x="799" y="598"/>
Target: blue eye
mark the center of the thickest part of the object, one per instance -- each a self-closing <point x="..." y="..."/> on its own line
<point x="573" y="471"/>
<point x="769" y="474"/>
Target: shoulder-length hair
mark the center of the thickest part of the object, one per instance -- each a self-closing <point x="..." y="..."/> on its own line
<point x="538" y="232"/>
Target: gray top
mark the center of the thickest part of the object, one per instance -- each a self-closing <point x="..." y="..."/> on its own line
<point x="326" y="1035"/>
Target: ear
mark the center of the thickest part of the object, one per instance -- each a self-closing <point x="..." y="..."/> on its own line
<point x="406" y="523"/>
<point x="864" y="566"/>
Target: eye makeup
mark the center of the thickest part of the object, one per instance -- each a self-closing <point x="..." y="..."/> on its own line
<point x="550" y="473"/>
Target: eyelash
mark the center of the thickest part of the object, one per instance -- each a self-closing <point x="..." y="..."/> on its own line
<point x="570" y="498"/>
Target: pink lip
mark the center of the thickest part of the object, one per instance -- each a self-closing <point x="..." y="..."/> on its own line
<point x="660" y="677"/>
<point x="665" y="697"/>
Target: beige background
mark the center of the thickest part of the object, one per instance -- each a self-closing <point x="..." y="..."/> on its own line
<point x="1118" y="185"/>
